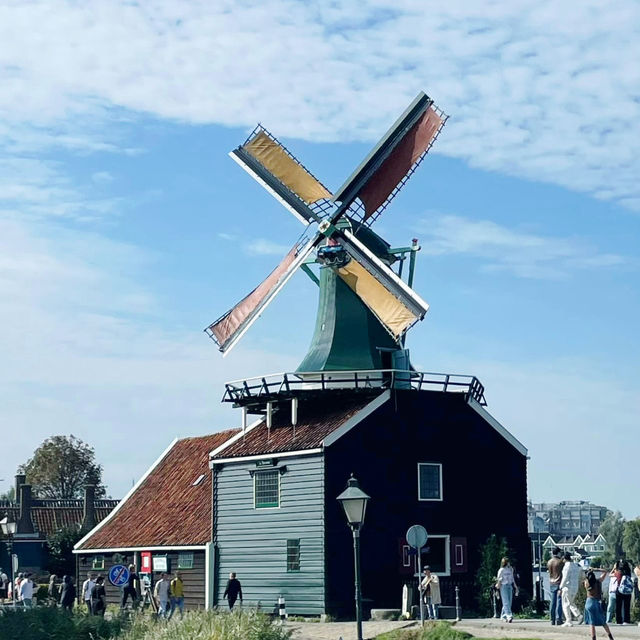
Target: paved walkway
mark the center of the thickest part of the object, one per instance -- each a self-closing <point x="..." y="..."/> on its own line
<point x="479" y="627"/>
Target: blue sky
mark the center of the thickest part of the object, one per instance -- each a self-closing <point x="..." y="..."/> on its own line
<point x="125" y="228"/>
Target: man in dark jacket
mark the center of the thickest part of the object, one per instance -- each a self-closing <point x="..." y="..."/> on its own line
<point x="233" y="590"/>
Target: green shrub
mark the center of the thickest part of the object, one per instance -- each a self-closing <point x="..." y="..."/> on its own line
<point x="245" y="624"/>
<point x="49" y="623"/>
<point x="431" y="631"/>
<point x="42" y="593"/>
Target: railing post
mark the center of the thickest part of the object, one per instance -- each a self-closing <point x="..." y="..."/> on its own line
<point x="458" y="608"/>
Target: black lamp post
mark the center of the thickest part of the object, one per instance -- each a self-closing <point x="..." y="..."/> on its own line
<point x="9" y="529"/>
<point x="354" y="502"/>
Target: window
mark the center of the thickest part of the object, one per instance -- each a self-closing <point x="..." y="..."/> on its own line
<point x="429" y="481"/>
<point x="198" y="480"/>
<point x="266" y="489"/>
<point x="98" y="562"/>
<point x="406" y="555"/>
<point x="293" y="555"/>
<point x="436" y="555"/>
<point x="185" y="560"/>
<point x="459" y="560"/>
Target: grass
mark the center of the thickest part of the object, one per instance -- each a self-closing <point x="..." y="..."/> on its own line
<point x="431" y="631"/>
<point x="44" y="623"/>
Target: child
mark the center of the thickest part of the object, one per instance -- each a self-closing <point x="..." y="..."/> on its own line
<point x="593" y="613"/>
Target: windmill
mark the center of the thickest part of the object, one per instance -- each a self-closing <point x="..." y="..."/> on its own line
<point x="365" y="308"/>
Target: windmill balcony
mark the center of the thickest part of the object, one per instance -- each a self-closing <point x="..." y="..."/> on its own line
<point x="255" y="393"/>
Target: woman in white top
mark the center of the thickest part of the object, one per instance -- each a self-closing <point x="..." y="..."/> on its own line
<point x="507" y="584"/>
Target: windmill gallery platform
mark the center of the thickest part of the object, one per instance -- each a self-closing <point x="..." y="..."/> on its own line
<point x="261" y="500"/>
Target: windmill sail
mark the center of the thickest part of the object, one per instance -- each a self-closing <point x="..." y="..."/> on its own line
<point x="393" y="160"/>
<point x="229" y="328"/>
<point x="272" y="165"/>
<point x="392" y="301"/>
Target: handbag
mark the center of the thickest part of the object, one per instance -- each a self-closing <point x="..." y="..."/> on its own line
<point x="626" y="586"/>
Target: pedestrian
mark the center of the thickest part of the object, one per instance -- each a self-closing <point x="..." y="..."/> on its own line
<point x="623" y="596"/>
<point x="98" y="597"/>
<point x="176" y="591"/>
<point x="162" y="595"/>
<point x="67" y="593"/>
<point x="593" y="613"/>
<point x="130" y="588"/>
<point x="569" y="590"/>
<point x="53" y="591"/>
<point x="506" y="583"/>
<point x="430" y="587"/>
<point x="16" y="587"/>
<point x="554" y="567"/>
<point x="87" y="586"/>
<point x="26" y="591"/>
<point x="4" y="586"/>
<point x="614" y="580"/>
<point x="233" y="590"/>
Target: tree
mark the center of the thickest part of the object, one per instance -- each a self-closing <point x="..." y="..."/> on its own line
<point x="631" y="540"/>
<point x="491" y="553"/>
<point x="612" y="528"/>
<point x="9" y="494"/>
<point x="61" y="466"/>
<point x="61" y="560"/>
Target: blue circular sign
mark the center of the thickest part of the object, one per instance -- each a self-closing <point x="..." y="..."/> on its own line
<point x="118" y="575"/>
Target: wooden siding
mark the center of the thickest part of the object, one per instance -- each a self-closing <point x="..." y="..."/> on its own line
<point x="253" y="542"/>
<point x="194" y="579"/>
<point x="484" y="492"/>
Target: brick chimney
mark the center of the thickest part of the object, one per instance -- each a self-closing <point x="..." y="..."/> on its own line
<point x="25" y="524"/>
<point x="20" y="480"/>
<point x="89" y="517"/>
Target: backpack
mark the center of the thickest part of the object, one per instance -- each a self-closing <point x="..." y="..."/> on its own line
<point x="626" y="586"/>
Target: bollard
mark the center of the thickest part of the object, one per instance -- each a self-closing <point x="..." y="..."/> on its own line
<point x="282" y="609"/>
<point x="458" y="610"/>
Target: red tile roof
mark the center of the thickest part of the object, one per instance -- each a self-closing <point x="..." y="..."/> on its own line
<point x="54" y="515"/>
<point x="316" y="420"/>
<point x="166" y="509"/>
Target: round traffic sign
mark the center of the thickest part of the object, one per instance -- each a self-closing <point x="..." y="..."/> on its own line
<point x="118" y="575"/>
<point x="417" y="536"/>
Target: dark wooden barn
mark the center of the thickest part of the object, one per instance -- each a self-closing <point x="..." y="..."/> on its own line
<point x="428" y="457"/>
<point x="167" y="516"/>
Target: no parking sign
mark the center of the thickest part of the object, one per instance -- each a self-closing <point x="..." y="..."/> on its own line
<point x="118" y="575"/>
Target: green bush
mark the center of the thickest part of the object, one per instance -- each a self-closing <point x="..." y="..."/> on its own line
<point x="209" y="625"/>
<point x="49" y="623"/>
<point x="431" y="631"/>
<point x="42" y="593"/>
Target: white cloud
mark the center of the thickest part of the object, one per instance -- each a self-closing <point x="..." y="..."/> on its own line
<point x="264" y="247"/>
<point x="536" y="88"/>
<point x="525" y="254"/>
<point x="102" y="177"/>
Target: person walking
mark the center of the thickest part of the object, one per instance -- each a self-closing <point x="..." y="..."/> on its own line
<point x="130" y="588"/>
<point x="53" y="591"/>
<point x="623" y="596"/>
<point x="87" y="586"/>
<point x="593" y="613"/>
<point x="614" y="580"/>
<point x="98" y="597"/>
<point x="26" y="591"/>
<point x="4" y="586"/>
<point x="430" y="587"/>
<point x="162" y="595"/>
<point x="569" y="590"/>
<point x="506" y="582"/>
<point x="233" y="590"/>
<point x="67" y="593"/>
<point x="177" y="595"/>
<point x="554" y="567"/>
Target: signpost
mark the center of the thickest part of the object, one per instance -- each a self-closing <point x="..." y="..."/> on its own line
<point x="118" y="575"/>
<point x="417" y="537"/>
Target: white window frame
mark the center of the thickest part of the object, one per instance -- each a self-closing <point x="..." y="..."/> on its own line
<point x="455" y="552"/>
<point x="431" y="464"/>
<point x="255" y="506"/>
<point x="447" y="555"/>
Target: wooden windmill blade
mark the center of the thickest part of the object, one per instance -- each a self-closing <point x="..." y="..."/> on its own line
<point x="392" y="301"/>
<point x="271" y="164"/>
<point x="227" y="330"/>
<point x="392" y="161"/>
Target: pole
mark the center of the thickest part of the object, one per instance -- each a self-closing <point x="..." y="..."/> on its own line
<point x="419" y="585"/>
<point x="458" y="611"/>
<point x="13" y="573"/>
<point x="540" y="590"/>
<point x="356" y="561"/>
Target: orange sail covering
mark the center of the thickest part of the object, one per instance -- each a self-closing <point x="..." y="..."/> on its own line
<point x="400" y="161"/>
<point x="232" y="323"/>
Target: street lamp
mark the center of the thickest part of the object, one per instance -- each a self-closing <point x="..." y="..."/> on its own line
<point x="354" y="502"/>
<point x="9" y="529"/>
